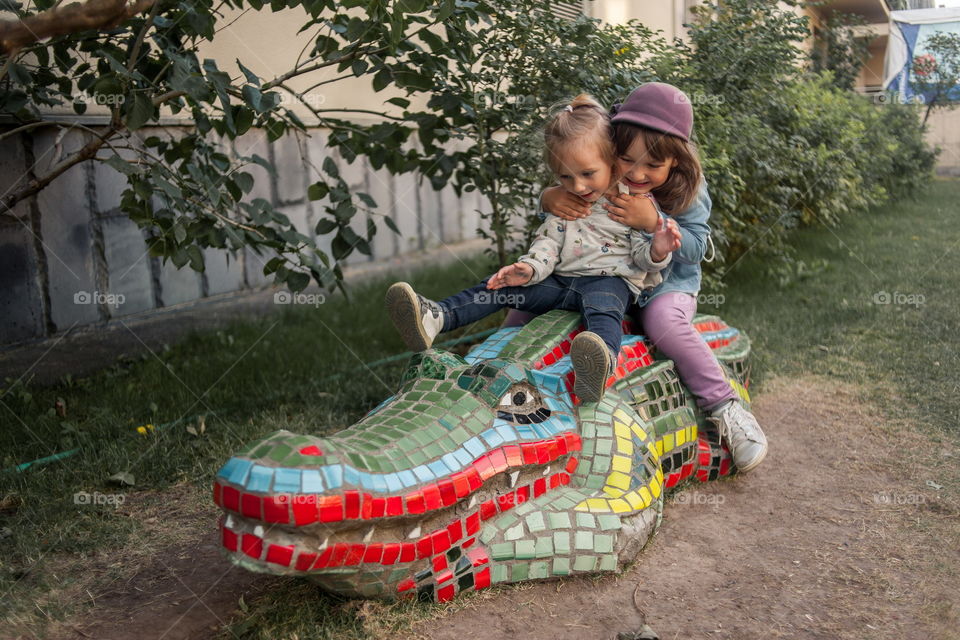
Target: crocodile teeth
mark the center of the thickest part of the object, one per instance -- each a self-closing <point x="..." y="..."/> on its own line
<point x="415" y="533"/>
<point x="228" y="523"/>
<point x="258" y="531"/>
<point x="547" y="470"/>
<point x="369" y="536"/>
<point x="513" y="478"/>
<point x="325" y="543"/>
<point x="473" y="502"/>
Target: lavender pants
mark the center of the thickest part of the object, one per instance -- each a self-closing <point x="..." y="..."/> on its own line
<point x="666" y="321"/>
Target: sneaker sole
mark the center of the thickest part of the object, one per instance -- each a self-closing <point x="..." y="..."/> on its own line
<point x="591" y="362"/>
<point x="404" y="310"/>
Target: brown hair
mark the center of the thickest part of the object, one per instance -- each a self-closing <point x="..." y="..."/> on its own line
<point x="680" y="190"/>
<point x="584" y="120"/>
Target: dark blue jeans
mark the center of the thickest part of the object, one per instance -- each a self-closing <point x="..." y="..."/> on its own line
<point x="601" y="300"/>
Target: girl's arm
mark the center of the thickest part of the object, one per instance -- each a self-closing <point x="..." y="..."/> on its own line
<point x="563" y="204"/>
<point x="544" y="252"/>
<point x="694" y="229"/>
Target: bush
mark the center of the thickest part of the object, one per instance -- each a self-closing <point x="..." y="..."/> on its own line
<point x="781" y="147"/>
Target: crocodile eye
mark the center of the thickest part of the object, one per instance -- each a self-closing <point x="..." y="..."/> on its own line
<point x="523" y="405"/>
<point x="516" y="399"/>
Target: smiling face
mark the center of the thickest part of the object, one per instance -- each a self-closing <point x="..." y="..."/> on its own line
<point x="583" y="170"/>
<point x="640" y="171"/>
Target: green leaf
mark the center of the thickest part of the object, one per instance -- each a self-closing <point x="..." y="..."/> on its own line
<point x="400" y="102"/>
<point x="330" y="168"/>
<point x="140" y="112"/>
<point x="244" y="181"/>
<point x="325" y="226"/>
<point x="391" y="224"/>
<point x="298" y="281"/>
<point x="251" y="76"/>
<point x="196" y="257"/>
<point x="370" y="202"/>
<point x="317" y="190"/>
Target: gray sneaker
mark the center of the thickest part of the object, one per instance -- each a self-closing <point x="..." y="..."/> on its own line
<point x="743" y="435"/>
<point x="592" y="366"/>
<point x="417" y="319"/>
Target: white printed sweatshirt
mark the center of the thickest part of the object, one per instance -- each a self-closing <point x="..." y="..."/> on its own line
<point x="593" y="246"/>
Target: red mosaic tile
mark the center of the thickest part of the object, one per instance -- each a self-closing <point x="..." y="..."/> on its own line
<point x="311" y="450"/>
<point x="229" y="539"/>
<point x="499" y="460"/>
<point x="351" y="502"/>
<point x="408" y="552"/>
<point x="523" y="494"/>
<point x="424" y="547"/>
<point x="339" y="554"/>
<point x="473" y="523"/>
<point x="304" y="510"/>
<point x="405" y="585"/>
<point x="448" y="493"/>
<point x="539" y="487"/>
<point x="461" y="484"/>
<point x="431" y="497"/>
<point x="443" y="576"/>
<point x="455" y="529"/>
<point x="231" y="499"/>
<point x="323" y="559"/>
<point x="466" y="543"/>
<point x="366" y="506"/>
<point x="252" y="546"/>
<point x="439" y="563"/>
<point x="391" y="553"/>
<point x="281" y="555"/>
<point x="415" y="503"/>
<point x="330" y="508"/>
<point x="395" y="506"/>
<point x="482" y="579"/>
<point x="305" y="561"/>
<point x="571" y="465"/>
<point x="374" y="553"/>
<point x="354" y="554"/>
<point x="378" y="507"/>
<point x="446" y="593"/>
<point x="514" y="455"/>
<point x="478" y="556"/>
<point x="250" y="506"/>
<point x="441" y="540"/>
<point x="276" y="509"/>
<point x="216" y="494"/>
<point x="488" y="509"/>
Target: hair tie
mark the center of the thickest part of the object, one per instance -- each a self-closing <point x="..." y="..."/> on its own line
<point x="568" y="108"/>
<point x="615" y="109"/>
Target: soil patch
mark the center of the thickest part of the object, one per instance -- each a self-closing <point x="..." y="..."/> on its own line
<point x="837" y="535"/>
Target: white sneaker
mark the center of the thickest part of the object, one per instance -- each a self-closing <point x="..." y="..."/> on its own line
<point x="417" y="319"/>
<point x="743" y="435"/>
<point x="592" y="366"/>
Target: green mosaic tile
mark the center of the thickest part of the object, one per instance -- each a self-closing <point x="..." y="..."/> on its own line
<point x="561" y="542"/>
<point x="608" y="563"/>
<point x="588" y="448"/>
<point x="526" y="549"/>
<point x="539" y="570"/>
<point x="609" y="522"/>
<point x="520" y="571"/>
<point x="488" y="533"/>
<point x="558" y="520"/>
<point x="604" y="447"/>
<point x="507" y="520"/>
<point x="513" y="533"/>
<point x="595" y="481"/>
<point x="417" y="458"/>
<point x="585" y="521"/>
<point x="498" y="573"/>
<point x="603" y="543"/>
<point x="502" y="551"/>
<point x="544" y="547"/>
<point x="561" y="566"/>
<point x="584" y="563"/>
<point x="535" y="522"/>
<point x="588" y="430"/>
<point x="583" y="540"/>
<point x="601" y="464"/>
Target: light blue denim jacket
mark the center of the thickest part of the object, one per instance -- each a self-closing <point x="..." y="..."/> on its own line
<point x="683" y="273"/>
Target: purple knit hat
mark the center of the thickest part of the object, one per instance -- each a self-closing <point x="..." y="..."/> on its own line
<point x="658" y="106"/>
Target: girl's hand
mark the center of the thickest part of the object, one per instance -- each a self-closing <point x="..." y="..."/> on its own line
<point x="512" y="275"/>
<point x="563" y="204"/>
<point x="636" y="211"/>
<point x="666" y="239"/>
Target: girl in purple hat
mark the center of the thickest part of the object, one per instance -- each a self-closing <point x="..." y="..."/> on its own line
<point x="658" y="164"/>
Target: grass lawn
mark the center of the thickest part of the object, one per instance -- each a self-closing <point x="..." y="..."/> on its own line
<point x="870" y="303"/>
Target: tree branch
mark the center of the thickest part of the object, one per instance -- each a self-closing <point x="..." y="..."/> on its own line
<point x="95" y="14"/>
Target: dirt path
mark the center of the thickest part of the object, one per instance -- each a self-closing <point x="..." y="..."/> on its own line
<point x="836" y="536"/>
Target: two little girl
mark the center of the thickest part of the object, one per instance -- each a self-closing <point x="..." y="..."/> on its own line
<point x="610" y="243"/>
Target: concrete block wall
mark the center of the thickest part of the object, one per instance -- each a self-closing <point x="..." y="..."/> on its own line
<point x="70" y="258"/>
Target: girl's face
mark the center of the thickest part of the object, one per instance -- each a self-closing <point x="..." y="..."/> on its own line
<point x="583" y="171"/>
<point x="641" y="173"/>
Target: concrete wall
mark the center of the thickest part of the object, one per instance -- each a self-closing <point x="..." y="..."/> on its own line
<point x="943" y="130"/>
<point x="70" y="258"/>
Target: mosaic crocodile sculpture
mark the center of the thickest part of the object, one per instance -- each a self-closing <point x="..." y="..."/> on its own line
<point x="480" y="470"/>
